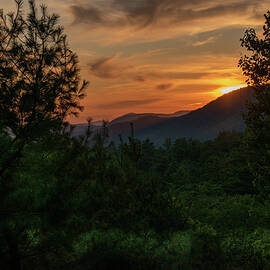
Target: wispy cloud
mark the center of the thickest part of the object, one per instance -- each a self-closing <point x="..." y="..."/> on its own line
<point x="127" y="103"/>
<point x="196" y="88"/>
<point x="106" y="67"/>
<point x="115" y="67"/>
<point x="156" y="13"/>
<point x="164" y="86"/>
<point x="204" y="42"/>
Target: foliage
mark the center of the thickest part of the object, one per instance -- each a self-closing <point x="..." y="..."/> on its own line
<point x="115" y="249"/>
<point x="40" y="81"/>
<point x="256" y="66"/>
<point x="68" y="208"/>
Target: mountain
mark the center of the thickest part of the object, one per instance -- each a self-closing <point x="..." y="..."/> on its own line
<point x="223" y="114"/>
<point x="130" y="117"/>
<point x="121" y="125"/>
<point x="80" y="129"/>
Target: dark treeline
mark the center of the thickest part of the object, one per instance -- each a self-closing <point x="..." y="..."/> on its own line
<point x="187" y="204"/>
<point x="85" y="203"/>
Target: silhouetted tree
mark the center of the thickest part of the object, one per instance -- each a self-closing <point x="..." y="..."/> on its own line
<point x="256" y="66"/>
<point x="40" y="86"/>
<point x="39" y="76"/>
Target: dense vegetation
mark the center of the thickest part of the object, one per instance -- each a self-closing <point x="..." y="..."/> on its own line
<point x="187" y="204"/>
<point x="68" y="203"/>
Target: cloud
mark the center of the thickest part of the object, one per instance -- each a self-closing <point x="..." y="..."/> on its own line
<point x="97" y="15"/>
<point x="113" y="67"/>
<point x="196" y="88"/>
<point x="204" y="42"/>
<point x="139" y="78"/>
<point x="163" y="74"/>
<point x="127" y="103"/>
<point x="179" y="75"/>
<point x="141" y="14"/>
<point x="89" y="15"/>
<point x="164" y="86"/>
<point x="102" y="67"/>
<point x="108" y="67"/>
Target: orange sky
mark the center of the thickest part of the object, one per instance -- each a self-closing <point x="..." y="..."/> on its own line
<point x="155" y="55"/>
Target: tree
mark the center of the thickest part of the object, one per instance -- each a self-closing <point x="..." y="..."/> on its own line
<point x="256" y="66"/>
<point x="39" y="76"/>
<point x="40" y="86"/>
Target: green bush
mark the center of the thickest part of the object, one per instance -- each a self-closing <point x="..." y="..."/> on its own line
<point x="248" y="251"/>
<point x="117" y="250"/>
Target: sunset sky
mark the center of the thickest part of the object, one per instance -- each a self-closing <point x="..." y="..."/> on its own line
<point x="155" y="55"/>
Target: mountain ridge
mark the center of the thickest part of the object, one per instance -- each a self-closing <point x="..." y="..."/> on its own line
<point x="221" y="114"/>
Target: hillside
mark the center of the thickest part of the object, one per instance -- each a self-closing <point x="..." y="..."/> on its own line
<point x="222" y="114"/>
<point x="136" y="116"/>
<point x="121" y="124"/>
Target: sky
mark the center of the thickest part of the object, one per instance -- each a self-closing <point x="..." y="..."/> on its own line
<point x="155" y="55"/>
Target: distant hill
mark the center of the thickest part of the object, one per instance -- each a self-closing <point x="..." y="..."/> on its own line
<point x="121" y="125"/>
<point x="130" y="117"/>
<point x="80" y="129"/>
<point x="222" y="114"/>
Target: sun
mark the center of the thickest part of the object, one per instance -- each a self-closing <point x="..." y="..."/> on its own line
<point x="231" y="88"/>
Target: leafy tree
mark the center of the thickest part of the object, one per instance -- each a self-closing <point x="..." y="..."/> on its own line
<point x="39" y="76"/>
<point x="40" y="86"/>
<point x="256" y="66"/>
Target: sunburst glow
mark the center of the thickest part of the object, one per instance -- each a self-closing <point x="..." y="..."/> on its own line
<point x="231" y="88"/>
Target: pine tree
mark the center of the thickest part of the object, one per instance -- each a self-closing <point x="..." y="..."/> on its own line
<point x="40" y="81"/>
